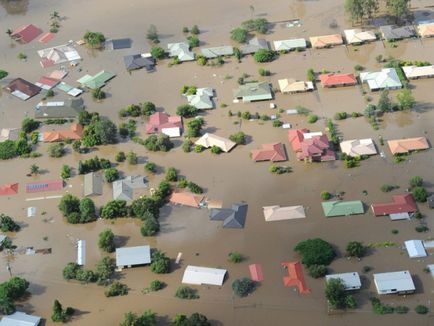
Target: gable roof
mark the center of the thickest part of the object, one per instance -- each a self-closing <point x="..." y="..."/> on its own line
<point x="137" y="61"/>
<point x="93" y="184"/>
<point x="160" y="120"/>
<point x="326" y="40"/>
<point x="293" y="86"/>
<point x="313" y="146"/>
<point x="69" y="108"/>
<point x="386" y="78"/>
<point x="22" y="89"/>
<point x="398" y="146"/>
<point x="58" y="55"/>
<point x="356" y="36"/>
<point x="75" y="132"/>
<point x="256" y="273"/>
<point x="209" y="140"/>
<point x="9" y="134"/>
<point x="403" y="203"/>
<point x="186" y="199"/>
<point x="290" y="44"/>
<point x="337" y="79"/>
<point x="253" y="92"/>
<point x="295" y="137"/>
<point x="96" y="81"/>
<point x="217" y="51"/>
<point x="254" y="45"/>
<point x="121" y="190"/>
<point x="120" y="43"/>
<point x="47" y="82"/>
<point x="295" y="277"/>
<point x="358" y="147"/>
<point x="9" y="189"/>
<point x="180" y="50"/>
<point x="342" y="208"/>
<point x="26" y="33"/>
<point x="274" y="152"/>
<point x="412" y="72"/>
<point x="202" y="99"/>
<point x="426" y="29"/>
<point x="415" y="248"/>
<point x="393" y="32"/>
<point x="234" y="217"/>
<point x="203" y="275"/>
<point x="277" y="213"/>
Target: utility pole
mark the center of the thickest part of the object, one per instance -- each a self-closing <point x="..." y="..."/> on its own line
<point x="8" y="267"/>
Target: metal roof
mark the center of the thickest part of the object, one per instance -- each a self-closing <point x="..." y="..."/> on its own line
<point x="351" y="281"/>
<point x="394" y="282"/>
<point x="342" y="208"/>
<point x="415" y="248"/>
<point x="20" y="319"/>
<point x="203" y="275"/>
<point x="130" y="256"/>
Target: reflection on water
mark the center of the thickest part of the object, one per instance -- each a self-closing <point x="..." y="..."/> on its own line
<point x="15" y="7"/>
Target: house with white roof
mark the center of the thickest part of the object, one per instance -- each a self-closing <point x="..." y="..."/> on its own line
<point x="294" y="86"/>
<point x="209" y="140"/>
<point x="358" y="147"/>
<point x="132" y="256"/>
<point x="387" y="78"/>
<point x="289" y="45"/>
<point x="180" y="50"/>
<point x="351" y="281"/>
<point x="19" y="318"/>
<point x="394" y="283"/>
<point x="415" y="72"/>
<point x="415" y="248"/>
<point x="277" y="213"/>
<point x="203" y="275"/>
<point x="358" y="36"/>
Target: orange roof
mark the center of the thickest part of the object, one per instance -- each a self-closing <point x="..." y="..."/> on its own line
<point x="326" y="40"/>
<point x="399" y="146"/>
<point x="295" y="138"/>
<point x="75" y="133"/>
<point x="295" y="277"/>
<point x="269" y="152"/>
<point x="186" y="199"/>
<point x="9" y="189"/>
<point x="426" y="30"/>
<point x="337" y="79"/>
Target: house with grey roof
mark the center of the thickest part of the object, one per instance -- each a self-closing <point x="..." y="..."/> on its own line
<point x="69" y="108"/>
<point x="19" y="318"/>
<point x="234" y="217"/>
<point x="289" y="45"/>
<point x="138" y="61"/>
<point x="133" y="256"/>
<point x="180" y="50"/>
<point x="119" y="43"/>
<point x="93" y="184"/>
<point x="136" y="181"/>
<point x="202" y="100"/>
<point x="124" y="189"/>
<point x="254" y="45"/>
<point x="251" y="92"/>
<point x="393" y="32"/>
<point x="387" y="78"/>
<point x="218" y="51"/>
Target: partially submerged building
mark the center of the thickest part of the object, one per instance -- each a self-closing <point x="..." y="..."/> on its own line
<point x="358" y="36"/>
<point x="403" y="203"/>
<point x="58" y="55"/>
<point x="403" y="146"/>
<point x="310" y="146"/>
<point x="69" y="108"/>
<point x="93" y="184"/>
<point x="336" y="80"/>
<point x="252" y="92"/>
<point x="387" y="78"/>
<point x="295" y="277"/>
<point x="26" y="33"/>
<point x="393" y="32"/>
<point x="426" y="29"/>
<point x="342" y="208"/>
<point x="164" y="123"/>
<point x="326" y="41"/>
<point x="138" y="61"/>
<point x="22" y="89"/>
<point x="277" y="213"/>
<point x="9" y="134"/>
<point x="291" y="44"/>
<point x="124" y="188"/>
<point x="8" y="189"/>
<point x="358" y="147"/>
<point x="253" y="45"/>
<point x="274" y="152"/>
<point x="133" y="256"/>
<point x="210" y="140"/>
<point x="415" y="248"/>
<point x="180" y="50"/>
<point x="415" y="72"/>
<point x="394" y="283"/>
<point x="351" y="281"/>
<point x="217" y="51"/>
<point x="203" y="275"/>
<point x="97" y="81"/>
<point x="19" y="318"/>
<point x="75" y="132"/>
<point x="202" y="100"/>
<point x="234" y="217"/>
<point x="294" y="86"/>
<point x="185" y="198"/>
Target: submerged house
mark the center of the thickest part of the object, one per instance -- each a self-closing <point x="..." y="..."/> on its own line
<point x="210" y="140"/>
<point x="277" y="213"/>
<point x="335" y="80"/>
<point x="124" y="188"/>
<point x="116" y="44"/>
<point x="342" y="208"/>
<point x="9" y="134"/>
<point x="203" y="275"/>
<point x="294" y="86"/>
<point x="75" y="132"/>
<point x="426" y="29"/>
<point x="403" y="146"/>
<point x="310" y="146"/>
<point x="394" y="283"/>
<point x="415" y="72"/>
<point x="26" y="33"/>
<point x="358" y="147"/>
<point x="415" y="248"/>
<point x="274" y="152"/>
<point x="393" y="32"/>
<point x="19" y="318"/>
<point x="403" y="203"/>
<point x="351" y="281"/>
<point x="69" y="108"/>
<point x="218" y="51"/>
<point x="326" y="41"/>
<point x="358" y="36"/>
<point x="133" y="256"/>
<point x="202" y="100"/>
<point x="180" y="50"/>
<point x="93" y="184"/>
<point x="253" y="45"/>
<point x="295" y="277"/>
<point x="185" y="198"/>
<point x="387" y="78"/>
<point x="251" y="92"/>
<point x="97" y="81"/>
<point x="234" y="217"/>
<point x="58" y="55"/>
<point x="138" y="61"/>
<point x="289" y="45"/>
<point x="164" y="123"/>
<point x="22" y="89"/>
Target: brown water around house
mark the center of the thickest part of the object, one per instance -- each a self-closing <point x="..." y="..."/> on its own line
<point x="230" y="177"/>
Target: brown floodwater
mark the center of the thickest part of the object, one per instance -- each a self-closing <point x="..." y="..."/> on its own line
<point x="231" y="177"/>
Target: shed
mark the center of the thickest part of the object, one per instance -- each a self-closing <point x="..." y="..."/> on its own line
<point x="132" y="256"/>
<point x="31" y="211"/>
<point x="203" y="275"/>
<point x="394" y="282"/>
<point x="415" y="248"/>
<point x="92" y="184"/>
<point x="342" y="208"/>
<point x="431" y="269"/>
<point x="19" y="318"/>
<point x="256" y="272"/>
<point x="351" y="281"/>
<point x="81" y="252"/>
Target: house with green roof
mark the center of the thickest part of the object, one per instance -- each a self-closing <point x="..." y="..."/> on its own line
<point x="97" y="81"/>
<point x="251" y="92"/>
<point x="342" y="208"/>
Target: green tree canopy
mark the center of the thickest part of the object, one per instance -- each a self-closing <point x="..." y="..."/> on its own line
<point x="315" y="252"/>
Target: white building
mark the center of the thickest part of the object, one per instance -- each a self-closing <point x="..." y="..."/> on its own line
<point x="415" y="248"/>
<point x="81" y="252"/>
<point x="20" y="319"/>
<point x="132" y="256"/>
<point x="394" y="282"/>
<point x="351" y="281"/>
<point x="203" y="275"/>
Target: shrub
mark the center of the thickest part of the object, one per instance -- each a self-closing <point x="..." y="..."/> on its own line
<point x="405" y="99"/>
<point x="421" y="309"/>
<point x="56" y="150"/>
<point x="186" y="111"/>
<point x="356" y="249"/>
<point x="315" y="252"/>
<point x="201" y="60"/>
<point x="132" y="158"/>
<point x="186" y="145"/>
<point x="419" y="193"/>
<point x="388" y="188"/>
<point x="111" y="174"/>
<point x="198" y="148"/>
<point x="194" y="188"/>
<point x="148" y="318"/>
<point x="194" y="127"/>
<point x="401" y="309"/>
<point x="160" y="263"/>
<point x="65" y="172"/>
<point x="317" y="271"/>
<point x="98" y="94"/>
<point x="259" y="25"/>
<point x="94" y="39"/>
<point x="156" y="285"/>
<point x="150" y="226"/>
<point x="185" y="292"/>
<point x="312" y="118"/>
<point x="70" y="271"/>
<point x="310" y="75"/>
<point x="216" y="150"/>
<point x="264" y="55"/>
<point x="150" y="167"/>
<point x="106" y="241"/>
<point x="7" y="224"/>
<point x="416" y="182"/>
<point x="337" y="296"/>
<point x="277" y="123"/>
<point x="158" y="52"/>
<point x="279" y="169"/>
<point x="235" y="257"/>
<point x="264" y="72"/>
<point x="359" y="68"/>
<point x="366" y="269"/>
<point x="3" y="74"/>
<point x="148" y="108"/>
<point x="239" y="138"/>
<point x="156" y="143"/>
<point x="152" y="34"/>
<point x="171" y="175"/>
<point x="325" y="195"/>
<point x="193" y="41"/>
<point x="421" y="228"/>
<point x="28" y="125"/>
<point x="380" y="308"/>
<point x="182" y="183"/>
<point x="340" y="116"/>
<point x="116" y="289"/>
<point x="120" y="157"/>
<point x="195" y="30"/>
<point x="239" y="35"/>
<point x="243" y="287"/>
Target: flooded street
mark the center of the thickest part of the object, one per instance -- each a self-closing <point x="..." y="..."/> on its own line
<point x="230" y="177"/>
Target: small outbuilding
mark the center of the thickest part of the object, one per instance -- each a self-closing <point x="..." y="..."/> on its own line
<point x="203" y="275"/>
<point x="81" y="252"/>
<point x="415" y="248"/>
<point x="394" y="283"/>
<point x="256" y="272"/>
<point x="133" y="256"/>
<point x="351" y="281"/>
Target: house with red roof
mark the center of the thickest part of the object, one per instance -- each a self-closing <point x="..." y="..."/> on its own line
<point x="22" y="89"/>
<point x="75" y="132"/>
<point x="310" y="146"/>
<point x="9" y="189"/>
<point x="295" y="277"/>
<point x="164" y="123"/>
<point x="185" y="198"/>
<point x="335" y="80"/>
<point x="26" y="33"/>
<point x="403" y="203"/>
<point x="269" y="152"/>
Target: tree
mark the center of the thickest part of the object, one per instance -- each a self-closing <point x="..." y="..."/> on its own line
<point x="105" y="269"/>
<point x="405" y="99"/>
<point x="419" y="193"/>
<point x="186" y="292"/>
<point x="239" y="35"/>
<point x="7" y="224"/>
<point x="106" y="241"/>
<point x="416" y="181"/>
<point x="171" y="175"/>
<point x="58" y="314"/>
<point x="421" y="309"/>
<point x="337" y="296"/>
<point x="356" y="249"/>
<point x="239" y="138"/>
<point x="132" y="158"/>
<point x="105" y="131"/>
<point x="194" y="127"/>
<point x="87" y="210"/>
<point x="310" y="75"/>
<point x="158" y="52"/>
<point x="264" y="55"/>
<point x="111" y="175"/>
<point x="355" y="9"/>
<point x="400" y="9"/>
<point x="193" y="41"/>
<point x="70" y="271"/>
<point x="259" y="25"/>
<point x="186" y="111"/>
<point x="145" y="204"/>
<point x="160" y="262"/>
<point x="325" y="195"/>
<point x="243" y="287"/>
<point x="69" y="204"/>
<point x="195" y="319"/>
<point x="65" y="172"/>
<point x="114" y="208"/>
<point x="148" y="318"/>
<point x="120" y="157"/>
<point x="215" y="149"/>
<point x="384" y="102"/>
<point x="186" y="145"/>
<point x="152" y="34"/>
<point x="116" y="289"/>
<point x="312" y="118"/>
<point x="148" y="108"/>
<point x="315" y="252"/>
<point x="370" y="7"/>
<point x="94" y="39"/>
<point x="150" y="167"/>
<point x="56" y="150"/>
<point x="317" y="271"/>
<point x="98" y="94"/>
<point x="28" y="125"/>
<point x="150" y="225"/>
<point x="235" y="257"/>
<point x="195" y="30"/>
<point x="156" y="143"/>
